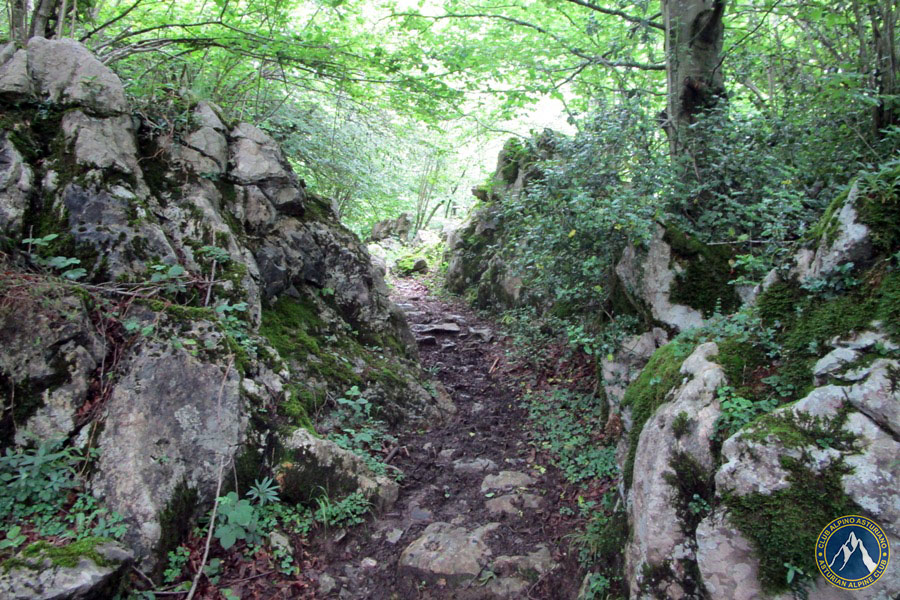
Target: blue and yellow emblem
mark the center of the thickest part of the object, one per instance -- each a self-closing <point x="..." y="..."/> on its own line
<point x="852" y="552"/>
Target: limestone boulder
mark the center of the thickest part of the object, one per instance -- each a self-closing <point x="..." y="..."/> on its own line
<point x="173" y="423"/>
<point x="316" y="464"/>
<point x="256" y="159"/>
<point x="726" y="559"/>
<point x="15" y="82"/>
<point x="16" y="186"/>
<point x="92" y="575"/>
<point x="207" y="114"/>
<point x="649" y="275"/>
<point x="125" y="237"/>
<point x="753" y="465"/>
<point x="50" y="358"/>
<point x="659" y="535"/>
<point x="846" y="240"/>
<point x="102" y="143"/>
<point x="205" y="150"/>
<point x="66" y="73"/>
<point x="196" y="214"/>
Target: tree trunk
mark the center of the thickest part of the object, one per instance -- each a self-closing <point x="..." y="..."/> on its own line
<point x="17" y="21"/>
<point x="44" y="12"/>
<point x="886" y="66"/>
<point x="694" y="32"/>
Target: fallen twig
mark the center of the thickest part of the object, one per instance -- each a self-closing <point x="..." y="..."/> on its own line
<point x="494" y="366"/>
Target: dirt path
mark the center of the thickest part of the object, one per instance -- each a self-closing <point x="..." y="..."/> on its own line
<point x="475" y="518"/>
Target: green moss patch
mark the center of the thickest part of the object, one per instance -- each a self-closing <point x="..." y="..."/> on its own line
<point x="806" y="323"/>
<point x="694" y="488"/>
<point x="783" y="526"/>
<point x="649" y="391"/>
<point x="703" y="284"/>
<point x="176" y="520"/>
<point x="878" y="206"/>
<point x="66" y="556"/>
<point x="740" y="360"/>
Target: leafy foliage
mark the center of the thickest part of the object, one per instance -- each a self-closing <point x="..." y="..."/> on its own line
<point x="564" y="425"/>
<point x="42" y="493"/>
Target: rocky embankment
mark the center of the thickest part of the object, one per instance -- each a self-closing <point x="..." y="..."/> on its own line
<point x="744" y="435"/>
<point x="209" y="304"/>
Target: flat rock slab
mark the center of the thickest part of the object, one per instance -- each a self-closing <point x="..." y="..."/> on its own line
<point x="530" y="565"/>
<point x="512" y="504"/>
<point x="437" y="328"/>
<point x="505" y="480"/>
<point x="479" y="465"/>
<point x="485" y="334"/>
<point x="446" y="551"/>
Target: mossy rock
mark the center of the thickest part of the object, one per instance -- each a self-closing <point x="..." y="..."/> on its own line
<point x="783" y="526"/>
<point x="703" y="284"/>
<point x="650" y="391"/>
<point x="807" y="322"/>
<point x="70" y="555"/>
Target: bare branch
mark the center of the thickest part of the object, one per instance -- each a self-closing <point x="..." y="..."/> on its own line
<point x="576" y="51"/>
<point x="115" y="19"/>
<point x="618" y="13"/>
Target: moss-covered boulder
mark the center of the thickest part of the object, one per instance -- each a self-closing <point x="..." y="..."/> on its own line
<point x="672" y="467"/>
<point x="88" y="568"/>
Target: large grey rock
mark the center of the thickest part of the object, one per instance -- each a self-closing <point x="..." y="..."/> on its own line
<point x="753" y="465"/>
<point x="42" y="580"/>
<point x="850" y="243"/>
<point x="122" y="232"/>
<point x="649" y="277"/>
<point x="658" y="534"/>
<point x="253" y="209"/>
<point x="727" y="560"/>
<point x="255" y="156"/>
<point x="14" y="80"/>
<point x="171" y="421"/>
<point x="102" y="143"/>
<point x="446" y="551"/>
<point x="205" y="151"/>
<point x="317" y="464"/>
<point x="207" y="114"/>
<point x="52" y="354"/>
<point x="16" y="186"/>
<point x="629" y="359"/>
<point x="750" y="466"/>
<point x="833" y="362"/>
<point x="66" y="73"/>
<point x="256" y="159"/>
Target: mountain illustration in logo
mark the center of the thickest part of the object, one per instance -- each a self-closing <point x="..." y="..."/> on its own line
<point x="849" y="549"/>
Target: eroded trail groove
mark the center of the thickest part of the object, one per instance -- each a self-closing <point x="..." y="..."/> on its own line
<point x="475" y="518"/>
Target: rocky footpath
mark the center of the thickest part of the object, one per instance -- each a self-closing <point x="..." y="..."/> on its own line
<point x="476" y="517"/>
<point x="219" y="304"/>
<point x="741" y="437"/>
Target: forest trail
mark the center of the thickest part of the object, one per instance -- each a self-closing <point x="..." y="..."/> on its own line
<point x="476" y="516"/>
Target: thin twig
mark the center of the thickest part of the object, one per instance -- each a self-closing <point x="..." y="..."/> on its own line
<point x="209" y="534"/>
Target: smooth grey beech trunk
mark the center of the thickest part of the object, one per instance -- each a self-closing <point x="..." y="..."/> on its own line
<point x="694" y="32"/>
